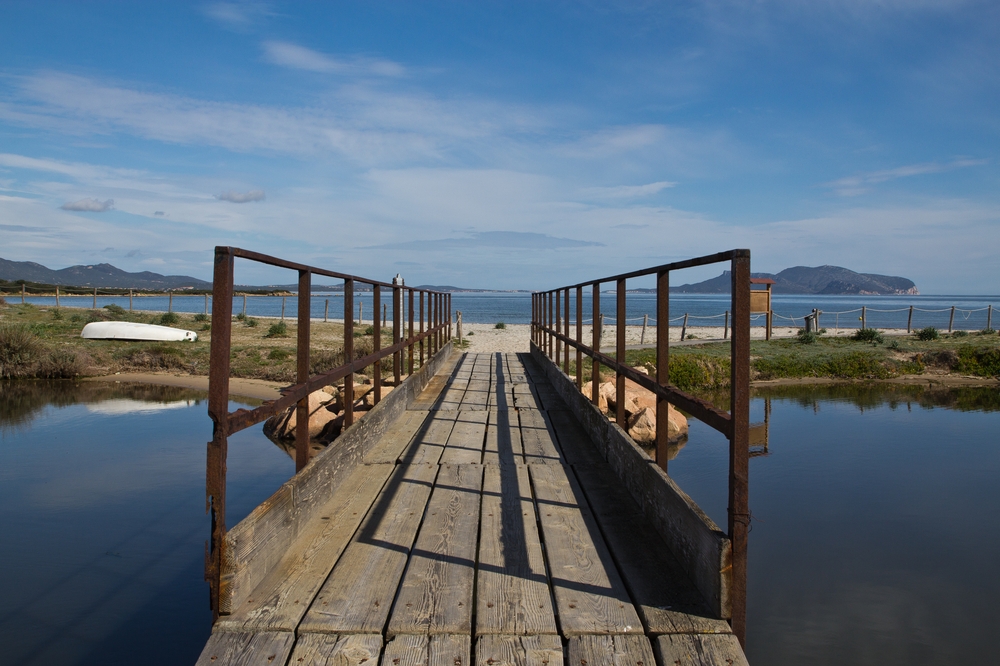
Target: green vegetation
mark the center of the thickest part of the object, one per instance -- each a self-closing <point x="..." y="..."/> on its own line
<point x="500" y="325"/>
<point x="868" y="335"/>
<point x="277" y="330"/>
<point x="167" y="319"/>
<point x="201" y="316"/>
<point x="927" y="334"/>
<point x="116" y="310"/>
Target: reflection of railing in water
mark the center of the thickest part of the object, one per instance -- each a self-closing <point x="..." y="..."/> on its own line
<point x="550" y="333"/>
<point x="434" y="332"/>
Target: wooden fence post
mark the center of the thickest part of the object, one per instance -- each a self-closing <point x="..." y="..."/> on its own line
<point x="989" y="317"/>
<point x="864" y="317"/>
<point x="95" y="298"/>
<point x="351" y="314"/>
<point x="170" y="302"/>
<point x="57" y="295"/>
<point x="130" y="300"/>
<point x="684" y="326"/>
<point x="326" y="311"/>
<point x="645" y="322"/>
<point x="909" y="320"/>
<point x="458" y="323"/>
<point x="951" y="320"/>
<point x="725" y="330"/>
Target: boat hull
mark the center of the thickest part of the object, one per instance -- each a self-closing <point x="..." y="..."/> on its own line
<point x="126" y="330"/>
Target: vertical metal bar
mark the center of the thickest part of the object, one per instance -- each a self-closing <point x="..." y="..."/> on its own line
<point x="739" y="440"/>
<point x="663" y="365"/>
<point x="377" y="342"/>
<point x="566" y="332"/>
<point x="397" y="359"/>
<point x="361" y="312"/>
<point x="595" y="367"/>
<point x="348" y="350"/>
<point x="302" y="372"/>
<point x="725" y="331"/>
<point x="410" y="350"/>
<point x="550" y="323"/>
<point x="951" y="320"/>
<point x="620" y="417"/>
<point x="579" y="338"/>
<point x="421" y="317"/>
<point x="218" y="411"/>
<point x="558" y="328"/>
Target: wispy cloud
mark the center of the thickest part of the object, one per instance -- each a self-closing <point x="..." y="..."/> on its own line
<point x="627" y="191"/>
<point x="89" y="205"/>
<point x="240" y="197"/>
<point x="294" y="56"/>
<point x="239" y="16"/>
<point x="508" y="240"/>
<point x="861" y="183"/>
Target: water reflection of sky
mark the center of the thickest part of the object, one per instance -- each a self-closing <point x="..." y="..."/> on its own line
<point x="104" y="524"/>
<point x="874" y="537"/>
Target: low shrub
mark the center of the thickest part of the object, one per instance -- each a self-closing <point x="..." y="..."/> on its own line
<point x="20" y="349"/>
<point x="927" y="334"/>
<point x="987" y="331"/>
<point x="166" y="319"/>
<point x="277" y="330"/>
<point x="278" y="354"/>
<point x="500" y="325"/>
<point x="691" y="371"/>
<point x="250" y="322"/>
<point x="979" y="361"/>
<point x="858" y="365"/>
<point x="959" y="334"/>
<point x="116" y="310"/>
<point x="868" y="335"/>
<point x="807" y="337"/>
<point x="206" y="327"/>
<point x="201" y="316"/>
<point x="57" y="315"/>
<point x="240" y="317"/>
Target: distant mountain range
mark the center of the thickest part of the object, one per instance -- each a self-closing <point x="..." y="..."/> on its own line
<point x="829" y="280"/>
<point x="96" y="275"/>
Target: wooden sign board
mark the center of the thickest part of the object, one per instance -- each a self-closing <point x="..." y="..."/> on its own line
<point x="760" y="300"/>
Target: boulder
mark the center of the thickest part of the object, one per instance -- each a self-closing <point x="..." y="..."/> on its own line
<point x="642" y="426"/>
<point x="282" y="426"/>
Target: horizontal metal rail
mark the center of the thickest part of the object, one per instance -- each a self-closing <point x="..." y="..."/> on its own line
<point x="550" y="333"/>
<point x="434" y="332"/>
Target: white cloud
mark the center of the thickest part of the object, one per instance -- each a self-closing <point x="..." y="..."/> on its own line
<point x="627" y="191"/>
<point x="294" y="56"/>
<point x="240" y="197"/>
<point x="239" y="16"/>
<point x="89" y="205"/>
<point x="860" y="184"/>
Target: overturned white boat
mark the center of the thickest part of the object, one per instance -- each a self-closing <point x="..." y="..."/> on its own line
<point x="127" y="330"/>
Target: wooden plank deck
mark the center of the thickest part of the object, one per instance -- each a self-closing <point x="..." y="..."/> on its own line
<point x="484" y="526"/>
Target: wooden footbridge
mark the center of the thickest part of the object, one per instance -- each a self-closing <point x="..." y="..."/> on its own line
<point x="483" y="512"/>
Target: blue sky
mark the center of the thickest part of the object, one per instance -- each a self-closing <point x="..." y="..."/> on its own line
<point x="504" y="145"/>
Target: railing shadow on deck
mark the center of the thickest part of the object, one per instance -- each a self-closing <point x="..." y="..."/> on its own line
<point x="426" y="336"/>
<point x="552" y="340"/>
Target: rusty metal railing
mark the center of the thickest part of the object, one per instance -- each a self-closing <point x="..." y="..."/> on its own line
<point x="550" y="332"/>
<point x="434" y="332"/>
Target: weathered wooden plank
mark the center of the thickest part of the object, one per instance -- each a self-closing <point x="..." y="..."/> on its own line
<point x="503" y="439"/>
<point x="420" y="650"/>
<point x="465" y="443"/>
<point x="538" y="439"/>
<point x="358" y="595"/>
<point x="525" y="398"/>
<point x="391" y="445"/>
<point x="451" y="398"/>
<point x="499" y="650"/>
<point x="336" y="650"/>
<point x="697" y="542"/>
<point x="477" y="394"/>
<point x="281" y="599"/>
<point x="436" y="594"/>
<point x="700" y="650"/>
<point x="623" y="650"/>
<point x="512" y="587"/>
<point x="264" y="648"/>
<point x="590" y="595"/>
<point x="666" y="598"/>
<point x="430" y="440"/>
<point x="576" y="446"/>
<point x="432" y="393"/>
<point x="501" y="397"/>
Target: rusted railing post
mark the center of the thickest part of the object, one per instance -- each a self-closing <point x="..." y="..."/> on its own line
<point x="595" y="367"/>
<point x="579" y="338"/>
<point x="422" y="329"/>
<point x="218" y="410"/>
<point x="620" y="417"/>
<point x="302" y="372"/>
<point x="411" y="350"/>
<point x="551" y="324"/>
<point x="376" y="342"/>
<point x="448" y="304"/>
<point x="662" y="365"/>
<point x="566" y="332"/>
<point x="558" y="329"/>
<point x="397" y="301"/>
<point x="348" y="351"/>
<point x="739" y="441"/>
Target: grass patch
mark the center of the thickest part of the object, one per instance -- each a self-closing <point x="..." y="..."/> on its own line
<point x="277" y="330"/>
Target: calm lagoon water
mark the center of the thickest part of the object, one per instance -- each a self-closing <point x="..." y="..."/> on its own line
<point x="102" y="511"/>
<point x="874" y="538"/>
<point x="515" y="308"/>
